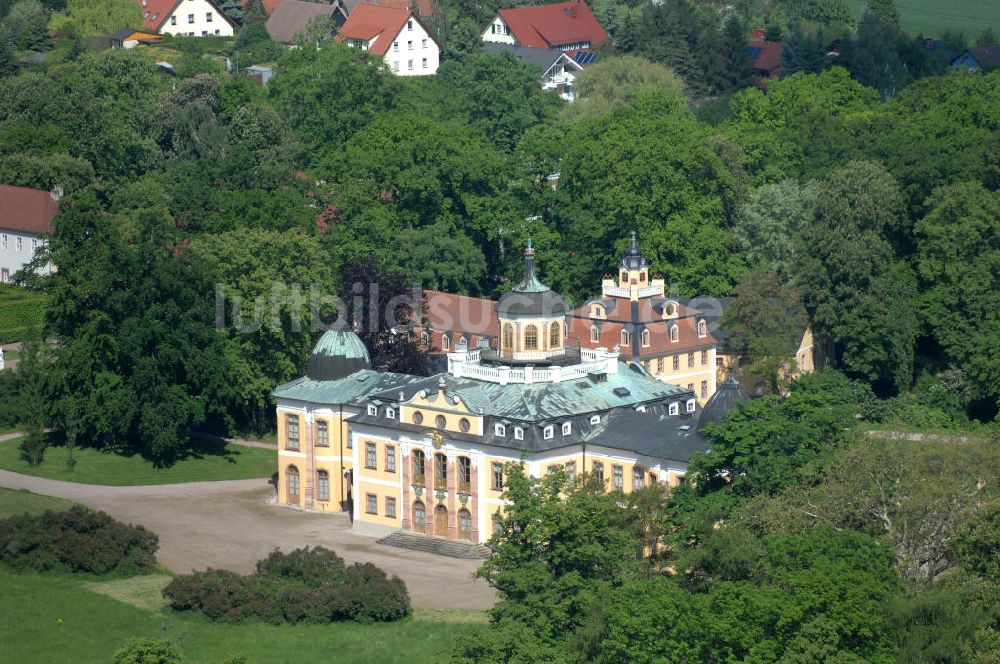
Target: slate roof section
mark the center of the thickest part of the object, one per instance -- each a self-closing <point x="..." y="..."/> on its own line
<point x="988" y="55"/>
<point x="553" y="25"/>
<point x="542" y="58"/>
<point x="729" y="395"/>
<point x="290" y="17"/>
<point x="27" y="210"/>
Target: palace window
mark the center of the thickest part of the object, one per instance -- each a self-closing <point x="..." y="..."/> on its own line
<point x="445" y="342"/>
<point x="702" y="329"/>
<point x="567" y="428"/>
<point x="464" y="425"/>
<point x="704" y="389"/>
<point x="372" y="409"/>
<point x="370" y="460"/>
<point x="659" y="365"/>
<point x="322" y="434"/>
<point x="691" y="405"/>
<point x="419" y="467"/>
<point x="531" y="338"/>
<point x="548" y="432"/>
<point x="390" y="413"/>
<point x="595" y="419"/>
<point x="645" y="337"/>
<point x="390" y="458"/>
<point x="554" y="335"/>
<point x="626" y="338"/>
<point x="323" y="485"/>
<point x="508" y="336"/>
<point x="440" y="471"/>
<point x="500" y="430"/>
<point x="619" y="477"/>
<point x="419" y="515"/>
<point x="676" y="362"/>
<point x="595" y="334"/>
<point x="292" y="431"/>
<point x="292" y="475"/>
<point x="690" y="360"/>
<point x="390" y="507"/>
<point x="497" y="479"/>
<point x="551" y="469"/>
<point x="440" y="421"/>
<point x="674" y="333"/>
<point x="518" y="433"/>
<point x="653" y="479"/>
<point x="674" y="409"/>
<point x="464" y="474"/>
<point x="637" y="476"/>
<point x="598" y="470"/>
<point x="371" y="503"/>
<point x="425" y="339"/>
<point x="464" y="524"/>
<point x="571" y="471"/>
<point x="704" y="358"/>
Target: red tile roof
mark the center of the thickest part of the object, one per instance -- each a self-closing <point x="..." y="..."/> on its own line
<point x="269" y="5"/>
<point x="768" y="55"/>
<point x="368" y="21"/>
<point x="29" y="210"/>
<point x="156" y="12"/>
<point x="460" y="313"/>
<point x="548" y="26"/>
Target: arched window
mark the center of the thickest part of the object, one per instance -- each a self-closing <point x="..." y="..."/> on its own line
<point x="322" y="485"/>
<point x="464" y="524"/>
<point x="445" y="342"/>
<point x="508" y="336"/>
<point x="440" y="471"/>
<point x="595" y="335"/>
<point x="626" y="339"/>
<point x="464" y="474"/>
<point x="462" y="343"/>
<point x="554" y="335"/>
<point x="419" y="467"/>
<point x="531" y="338"/>
<point x="702" y="328"/>
<point x="674" y="408"/>
<point x="674" y="333"/>
<point x="597" y="311"/>
<point x="292" y="478"/>
<point x="440" y="421"/>
<point x="419" y="516"/>
<point x="624" y="278"/>
<point x="670" y="309"/>
<point x="645" y="337"/>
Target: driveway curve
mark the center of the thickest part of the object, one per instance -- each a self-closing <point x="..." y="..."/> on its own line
<point x="232" y="524"/>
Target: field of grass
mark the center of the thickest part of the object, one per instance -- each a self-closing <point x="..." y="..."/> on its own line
<point x="20" y="502"/>
<point x="209" y="461"/>
<point x="932" y="17"/>
<point x="60" y="620"/>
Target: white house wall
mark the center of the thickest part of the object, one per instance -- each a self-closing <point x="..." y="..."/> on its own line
<point x="16" y="249"/>
<point x="498" y="32"/>
<point x="197" y="18"/>
<point x="413" y="52"/>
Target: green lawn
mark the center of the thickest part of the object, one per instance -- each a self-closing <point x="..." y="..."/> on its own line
<point x="211" y="461"/>
<point x="932" y="17"/>
<point x="14" y="502"/>
<point x="60" y="620"/>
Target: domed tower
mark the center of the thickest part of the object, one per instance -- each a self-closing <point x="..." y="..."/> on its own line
<point x="633" y="269"/>
<point x="729" y="395"/>
<point x="531" y="318"/>
<point x="338" y="353"/>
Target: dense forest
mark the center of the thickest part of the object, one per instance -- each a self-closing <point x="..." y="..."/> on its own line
<point x="877" y="213"/>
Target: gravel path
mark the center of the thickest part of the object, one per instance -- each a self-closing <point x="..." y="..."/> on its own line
<point x="232" y="524"/>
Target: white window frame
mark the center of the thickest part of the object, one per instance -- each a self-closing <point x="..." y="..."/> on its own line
<point x="595" y="419"/>
<point x="372" y="409"/>
<point x="390" y="413"/>
<point x="691" y="405"/>
<point x="500" y="430"/>
<point x="674" y="334"/>
<point x="518" y="433"/>
<point x="548" y="432"/>
<point x="567" y="428"/>
<point x="674" y="409"/>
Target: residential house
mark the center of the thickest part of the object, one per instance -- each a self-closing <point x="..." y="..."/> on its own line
<point x="25" y="214"/>
<point x="766" y="57"/>
<point x="290" y="17"/>
<point x="558" y="69"/>
<point x="194" y="18"/>
<point x="979" y="59"/>
<point x="398" y="36"/>
<point x="427" y="455"/>
<point x="129" y="38"/>
<point x="564" y="26"/>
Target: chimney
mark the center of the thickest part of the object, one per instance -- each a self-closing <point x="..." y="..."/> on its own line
<point x="57" y="192"/>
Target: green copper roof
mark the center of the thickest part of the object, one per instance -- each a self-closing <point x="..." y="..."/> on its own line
<point x="341" y="343"/>
<point x="351" y="389"/>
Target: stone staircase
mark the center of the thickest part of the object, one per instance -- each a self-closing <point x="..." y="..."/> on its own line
<point x="436" y="545"/>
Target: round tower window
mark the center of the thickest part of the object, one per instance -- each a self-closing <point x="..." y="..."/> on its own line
<point x="418" y="417"/>
<point x="464" y="425"/>
<point x="440" y="421"/>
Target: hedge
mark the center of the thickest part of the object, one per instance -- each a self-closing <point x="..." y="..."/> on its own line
<point x="20" y="311"/>
<point x="79" y="541"/>
<point x="306" y="585"/>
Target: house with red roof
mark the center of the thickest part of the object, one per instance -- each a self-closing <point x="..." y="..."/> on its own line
<point x="766" y="56"/>
<point x="564" y="26"/>
<point x="25" y="214"/>
<point x="396" y="35"/>
<point x="194" y="18"/>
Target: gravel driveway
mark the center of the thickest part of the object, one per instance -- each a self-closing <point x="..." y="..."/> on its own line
<point x="231" y="525"/>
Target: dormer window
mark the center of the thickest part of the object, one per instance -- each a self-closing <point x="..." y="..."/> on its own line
<point x="390" y="413"/>
<point x="691" y="405"/>
<point x="669" y="310"/>
<point x="595" y="334"/>
<point x="548" y="432"/>
<point x="702" y="329"/>
<point x="640" y="409"/>
<point x="597" y="311"/>
<point x="595" y="419"/>
<point x="674" y="333"/>
<point x="645" y="337"/>
<point x="518" y="433"/>
<point x="567" y="428"/>
<point x="674" y="408"/>
<point x="445" y="342"/>
<point x="624" y="277"/>
<point x="372" y="409"/>
<point x="500" y="430"/>
<point x="626" y="338"/>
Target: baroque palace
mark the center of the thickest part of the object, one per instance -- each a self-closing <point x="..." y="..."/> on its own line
<point x="426" y="454"/>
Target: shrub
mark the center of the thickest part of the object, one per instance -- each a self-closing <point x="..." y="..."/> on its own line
<point x="148" y="651"/>
<point x="79" y="540"/>
<point x="306" y="585"/>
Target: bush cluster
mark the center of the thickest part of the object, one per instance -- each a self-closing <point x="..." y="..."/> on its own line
<point x="80" y="541"/>
<point x="307" y="585"/>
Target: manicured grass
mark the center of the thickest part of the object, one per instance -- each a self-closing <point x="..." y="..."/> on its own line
<point x="210" y="461"/>
<point x="932" y="17"/>
<point x="59" y="620"/>
<point x="14" y="502"/>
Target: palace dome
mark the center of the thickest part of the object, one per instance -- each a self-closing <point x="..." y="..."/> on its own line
<point x="338" y="353"/>
<point x="530" y="298"/>
<point x="729" y="395"/>
<point x="633" y="258"/>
